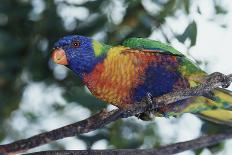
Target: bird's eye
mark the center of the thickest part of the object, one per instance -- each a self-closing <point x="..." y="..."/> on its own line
<point x="76" y="44"/>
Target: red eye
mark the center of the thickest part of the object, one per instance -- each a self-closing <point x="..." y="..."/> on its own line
<point x="76" y="44"/>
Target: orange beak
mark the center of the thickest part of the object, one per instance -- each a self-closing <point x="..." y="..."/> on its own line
<point x="59" y="56"/>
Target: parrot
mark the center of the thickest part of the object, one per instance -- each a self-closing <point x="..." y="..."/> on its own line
<point x="139" y="69"/>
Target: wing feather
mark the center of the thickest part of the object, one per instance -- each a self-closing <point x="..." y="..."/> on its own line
<point x="151" y="46"/>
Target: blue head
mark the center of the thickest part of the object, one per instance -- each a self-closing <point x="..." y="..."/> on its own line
<point x="76" y="52"/>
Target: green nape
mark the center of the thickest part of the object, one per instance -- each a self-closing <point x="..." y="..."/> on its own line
<point x="100" y="48"/>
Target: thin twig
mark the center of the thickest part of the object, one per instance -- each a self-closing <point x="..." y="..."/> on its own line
<point x="103" y="118"/>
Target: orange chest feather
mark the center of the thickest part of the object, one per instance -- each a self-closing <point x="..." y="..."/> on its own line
<point x="113" y="79"/>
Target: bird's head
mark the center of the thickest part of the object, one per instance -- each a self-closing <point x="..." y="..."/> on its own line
<point x="78" y="53"/>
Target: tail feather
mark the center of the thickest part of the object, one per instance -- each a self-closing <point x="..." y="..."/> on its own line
<point x="220" y="116"/>
<point x="221" y="113"/>
<point x="217" y="110"/>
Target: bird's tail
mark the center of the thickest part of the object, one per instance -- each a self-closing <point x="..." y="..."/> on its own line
<point x="217" y="110"/>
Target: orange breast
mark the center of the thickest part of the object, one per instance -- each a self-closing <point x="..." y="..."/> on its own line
<point x="114" y="79"/>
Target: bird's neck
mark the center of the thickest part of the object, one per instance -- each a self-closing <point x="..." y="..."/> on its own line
<point x="92" y="78"/>
<point x="100" y="49"/>
<point x="98" y="54"/>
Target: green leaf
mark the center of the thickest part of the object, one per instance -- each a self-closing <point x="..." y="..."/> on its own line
<point x="186" y="4"/>
<point x="220" y="10"/>
<point x="190" y="32"/>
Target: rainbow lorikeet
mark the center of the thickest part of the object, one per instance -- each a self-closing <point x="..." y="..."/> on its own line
<point x="127" y="73"/>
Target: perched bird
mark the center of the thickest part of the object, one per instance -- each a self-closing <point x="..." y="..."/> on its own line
<point x="126" y="74"/>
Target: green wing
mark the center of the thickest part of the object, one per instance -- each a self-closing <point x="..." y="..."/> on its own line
<point x="141" y="43"/>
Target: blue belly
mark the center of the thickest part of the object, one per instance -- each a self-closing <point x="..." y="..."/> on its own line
<point x="159" y="80"/>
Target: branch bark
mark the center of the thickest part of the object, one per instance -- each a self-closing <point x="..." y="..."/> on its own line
<point x="103" y="118"/>
<point x="198" y="143"/>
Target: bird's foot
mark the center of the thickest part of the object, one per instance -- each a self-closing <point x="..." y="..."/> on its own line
<point x="224" y="79"/>
<point x="148" y="115"/>
<point x="149" y="98"/>
<point x="145" y="116"/>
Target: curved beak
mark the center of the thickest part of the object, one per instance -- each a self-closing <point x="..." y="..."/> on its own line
<point x="59" y="56"/>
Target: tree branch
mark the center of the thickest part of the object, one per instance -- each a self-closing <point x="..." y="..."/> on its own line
<point x="198" y="143"/>
<point x="103" y="118"/>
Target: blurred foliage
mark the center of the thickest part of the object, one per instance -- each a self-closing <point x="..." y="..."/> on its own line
<point x="28" y="29"/>
<point x="190" y="32"/>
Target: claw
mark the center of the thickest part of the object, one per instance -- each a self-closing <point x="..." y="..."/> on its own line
<point x="149" y="98"/>
<point x="148" y="115"/>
